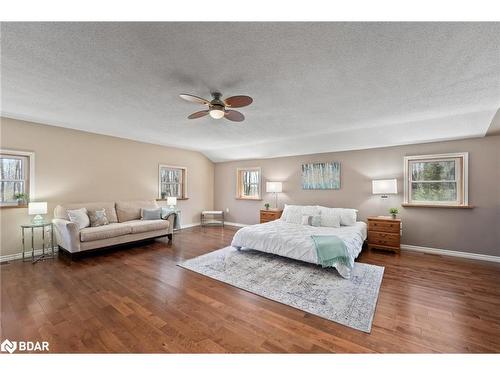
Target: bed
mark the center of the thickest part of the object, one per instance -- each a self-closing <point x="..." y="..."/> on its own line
<point x="295" y="241"/>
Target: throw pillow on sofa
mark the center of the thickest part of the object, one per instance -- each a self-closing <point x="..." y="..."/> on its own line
<point x="98" y="218"/>
<point x="151" y="214"/>
<point x="79" y="217"/>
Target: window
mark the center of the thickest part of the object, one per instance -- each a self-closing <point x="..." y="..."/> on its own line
<point x="437" y="180"/>
<point x="16" y="176"/>
<point x="172" y="182"/>
<point x="248" y="183"/>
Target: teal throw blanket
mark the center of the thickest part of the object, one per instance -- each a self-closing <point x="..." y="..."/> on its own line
<point x="331" y="250"/>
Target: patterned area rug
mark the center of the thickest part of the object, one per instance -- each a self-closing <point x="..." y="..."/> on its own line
<point x="308" y="287"/>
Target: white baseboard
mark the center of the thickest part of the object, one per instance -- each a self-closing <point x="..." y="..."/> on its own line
<point x="451" y="253"/>
<point x="183" y="226"/>
<point x="225" y="223"/>
<point x="27" y="255"/>
<point x="235" y="224"/>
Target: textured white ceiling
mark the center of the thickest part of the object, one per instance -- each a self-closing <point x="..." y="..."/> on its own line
<point x="317" y="87"/>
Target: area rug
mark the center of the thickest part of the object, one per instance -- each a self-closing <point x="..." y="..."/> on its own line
<point x="308" y="287"/>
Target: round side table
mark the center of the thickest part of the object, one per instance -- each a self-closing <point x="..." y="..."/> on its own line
<point x="44" y="255"/>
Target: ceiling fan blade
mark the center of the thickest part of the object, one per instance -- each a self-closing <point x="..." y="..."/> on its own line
<point x="238" y="101"/>
<point x="234" y="115"/>
<point x="198" y="114"/>
<point x="194" y="99"/>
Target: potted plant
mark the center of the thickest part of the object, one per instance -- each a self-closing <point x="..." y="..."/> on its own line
<point x="267" y="205"/>
<point x="22" y="198"/>
<point x="163" y="195"/>
<point x="393" y="211"/>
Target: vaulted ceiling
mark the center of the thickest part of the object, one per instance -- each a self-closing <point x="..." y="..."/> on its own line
<point x="317" y="87"/>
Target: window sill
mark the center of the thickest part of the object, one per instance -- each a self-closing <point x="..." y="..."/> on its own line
<point x="164" y="200"/>
<point x="434" y="206"/>
<point x="248" y="199"/>
<point x="16" y="206"/>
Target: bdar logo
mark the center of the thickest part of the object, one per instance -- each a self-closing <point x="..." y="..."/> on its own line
<point x="8" y="346"/>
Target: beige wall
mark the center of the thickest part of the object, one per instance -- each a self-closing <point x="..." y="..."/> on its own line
<point x="75" y="166"/>
<point x="470" y="230"/>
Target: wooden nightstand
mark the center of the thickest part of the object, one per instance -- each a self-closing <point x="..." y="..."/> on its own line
<point x="269" y="215"/>
<point x="384" y="232"/>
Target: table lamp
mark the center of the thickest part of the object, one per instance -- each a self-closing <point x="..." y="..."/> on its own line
<point x="274" y="187"/>
<point x="38" y="209"/>
<point x="171" y="202"/>
<point x="384" y="187"/>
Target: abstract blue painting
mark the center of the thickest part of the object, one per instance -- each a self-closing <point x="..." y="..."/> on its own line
<point x="321" y="176"/>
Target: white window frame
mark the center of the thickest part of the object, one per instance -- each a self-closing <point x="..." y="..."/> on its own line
<point x="239" y="184"/>
<point x="30" y="185"/>
<point x="461" y="176"/>
<point x="183" y="183"/>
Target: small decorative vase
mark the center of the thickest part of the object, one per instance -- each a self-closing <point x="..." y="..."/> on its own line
<point x="20" y="202"/>
<point x="393" y="216"/>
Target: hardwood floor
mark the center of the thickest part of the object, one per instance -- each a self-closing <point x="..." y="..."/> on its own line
<point x="138" y="300"/>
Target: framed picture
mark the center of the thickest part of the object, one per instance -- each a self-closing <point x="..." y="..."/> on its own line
<point x="321" y="176"/>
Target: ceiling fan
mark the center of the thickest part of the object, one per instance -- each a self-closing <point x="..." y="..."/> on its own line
<point x="218" y="107"/>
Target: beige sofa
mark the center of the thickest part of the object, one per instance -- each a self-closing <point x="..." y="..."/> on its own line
<point x="125" y="226"/>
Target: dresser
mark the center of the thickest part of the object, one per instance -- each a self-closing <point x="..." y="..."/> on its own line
<point x="269" y="215"/>
<point x="384" y="233"/>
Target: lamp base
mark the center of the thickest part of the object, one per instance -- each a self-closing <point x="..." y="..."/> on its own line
<point x="38" y="219"/>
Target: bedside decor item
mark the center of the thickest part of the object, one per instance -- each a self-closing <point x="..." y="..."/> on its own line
<point x="269" y="215"/>
<point x="393" y="211"/>
<point x="38" y="209"/>
<point x="384" y="233"/>
<point x="274" y="187"/>
<point x="43" y="225"/>
<point x="384" y="187"/>
<point x="79" y="217"/>
<point x="98" y="218"/>
<point x="321" y="176"/>
<point x="22" y="198"/>
<point x="171" y="202"/>
<point x="163" y="195"/>
<point x="267" y="205"/>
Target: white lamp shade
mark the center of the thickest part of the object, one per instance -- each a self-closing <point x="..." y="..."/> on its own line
<point x="37" y="208"/>
<point x="274" y="187"/>
<point x="385" y="186"/>
<point x="171" y="201"/>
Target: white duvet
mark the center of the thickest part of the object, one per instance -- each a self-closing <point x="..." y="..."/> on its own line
<point x="294" y="240"/>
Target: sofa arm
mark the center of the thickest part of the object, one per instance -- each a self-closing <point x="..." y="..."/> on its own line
<point x="171" y="219"/>
<point x="67" y="234"/>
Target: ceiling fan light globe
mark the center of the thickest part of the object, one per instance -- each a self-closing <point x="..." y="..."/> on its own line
<point x="216" y="113"/>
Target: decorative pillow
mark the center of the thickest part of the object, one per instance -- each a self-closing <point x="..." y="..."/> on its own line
<point x="79" y="217"/>
<point x="98" y="218"/>
<point x="151" y="214"/>
<point x="348" y="216"/>
<point x="306" y="220"/>
<point x="330" y="217"/>
<point x="316" y="221"/>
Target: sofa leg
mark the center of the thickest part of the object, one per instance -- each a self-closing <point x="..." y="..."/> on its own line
<point x="170" y="236"/>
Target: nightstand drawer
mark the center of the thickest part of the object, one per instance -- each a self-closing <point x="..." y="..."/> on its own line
<point x="378" y="239"/>
<point x="268" y="216"/>
<point x="383" y="226"/>
<point x="375" y="236"/>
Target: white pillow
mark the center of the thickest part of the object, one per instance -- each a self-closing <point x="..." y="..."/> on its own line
<point x="79" y="217"/>
<point x="307" y="220"/>
<point x="293" y="213"/>
<point x="348" y="216"/>
<point x="330" y="217"/>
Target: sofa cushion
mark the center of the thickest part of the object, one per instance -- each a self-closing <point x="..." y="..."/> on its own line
<point x="103" y="232"/>
<point x="140" y="226"/>
<point x="131" y="210"/>
<point x="60" y="212"/>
